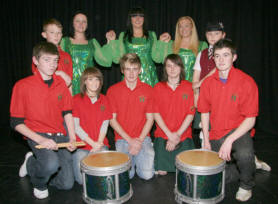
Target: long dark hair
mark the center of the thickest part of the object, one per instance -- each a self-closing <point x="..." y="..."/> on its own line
<point x="129" y="32"/>
<point x="176" y="59"/>
<point x="71" y="29"/>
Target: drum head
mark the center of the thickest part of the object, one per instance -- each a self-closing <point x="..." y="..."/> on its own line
<point x="105" y="159"/>
<point x="199" y="158"/>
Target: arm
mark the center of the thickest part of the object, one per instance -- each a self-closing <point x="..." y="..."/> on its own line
<point x="225" y="149"/>
<point x="185" y="124"/>
<point x="27" y="132"/>
<point x="161" y="49"/>
<point x="64" y="76"/>
<point x="70" y="125"/>
<point x="205" y="128"/>
<point x="101" y="54"/>
<point x="147" y="127"/>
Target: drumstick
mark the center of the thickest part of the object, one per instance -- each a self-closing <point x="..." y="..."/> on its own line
<point x="62" y="145"/>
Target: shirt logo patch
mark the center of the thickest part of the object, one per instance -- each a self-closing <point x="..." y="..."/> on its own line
<point x="60" y="97"/>
<point x="66" y="61"/>
<point x="142" y="99"/>
<point x="102" y="108"/>
<point x="184" y="96"/>
<point x="233" y="98"/>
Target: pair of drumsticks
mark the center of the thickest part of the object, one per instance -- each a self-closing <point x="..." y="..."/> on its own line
<point x="63" y="145"/>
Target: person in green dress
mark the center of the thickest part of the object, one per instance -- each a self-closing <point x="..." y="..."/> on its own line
<point x="136" y="39"/>
<point x="83" y="50"/>
<point x="186" y="44"/>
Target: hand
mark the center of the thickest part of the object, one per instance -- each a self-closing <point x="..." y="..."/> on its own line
<point x="48" y="143"/>
<point x="196" y="85"/>
<point x="207" y="145"/>
<point x="134" y="146"/>
<point x="97" y="147"/>
<point x="110" y="35"/>
<point x="64" y="76"/>
<point x="170" y="146"/>
<point x="173" y="137"/>
<point x="225" y="150"/>
<point x="165" y="37"/>
<point x="72" y="146"/>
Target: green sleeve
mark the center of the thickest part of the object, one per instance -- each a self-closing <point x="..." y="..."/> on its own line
<point x="202" y="45"/>
<point x="64" y="44"/>
<point x="113" y="48"/>
<point x="101" y="54"/>
<point x="161" y="50"/>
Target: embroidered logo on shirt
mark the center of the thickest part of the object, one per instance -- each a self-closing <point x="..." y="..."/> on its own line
<point x="142" y="99"/>
<point x="102" y="107"/>
<point x="60" y="97"/>
<point x="184" y="96"/>
<point x="66" y="61"/>
<point x="233" y="98"/>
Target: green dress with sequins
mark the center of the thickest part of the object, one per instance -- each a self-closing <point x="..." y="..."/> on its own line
<point x="144" y="48"/>
<point x="187" y="56"/>
<point x="83" y="56"/>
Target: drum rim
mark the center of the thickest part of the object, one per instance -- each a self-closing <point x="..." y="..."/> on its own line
<point x="106" y="171"/>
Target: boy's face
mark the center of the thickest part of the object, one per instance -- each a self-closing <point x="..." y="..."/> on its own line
<point x="47" y="65"/>
<point x="173" y="70"/>
<point x="131" y="72"/>
<point x="224" y="59"/>
<point x="92" y="84"/>
<point x="214" y="36"/>
<point x="53" y="34"/>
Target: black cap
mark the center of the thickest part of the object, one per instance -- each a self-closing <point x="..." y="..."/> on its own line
<point x="215" y="26"/>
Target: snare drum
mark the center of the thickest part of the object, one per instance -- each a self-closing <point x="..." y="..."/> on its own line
<point x="106" y="177"/>
<point x="200" y="177"/>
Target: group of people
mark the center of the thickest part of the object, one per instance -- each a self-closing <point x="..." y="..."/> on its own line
<point x="63" y="99"/>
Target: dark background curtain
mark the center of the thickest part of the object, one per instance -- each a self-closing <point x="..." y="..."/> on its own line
<point x="251" y="24"/>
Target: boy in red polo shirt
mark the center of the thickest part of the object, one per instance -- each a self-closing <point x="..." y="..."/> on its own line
<point x="91" y="113"/>
<point x="173" y="113"/>
<point x="131" y="104"/>
<point x="40" y="104"/>
<point x="229" y="102"/>
<point x="52" y="32"/>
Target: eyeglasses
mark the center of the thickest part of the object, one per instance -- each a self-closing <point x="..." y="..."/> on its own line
<point x="132" y="69"/>
<point x="137" y="14"/>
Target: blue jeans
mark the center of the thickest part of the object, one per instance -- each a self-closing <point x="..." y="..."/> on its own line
<point x="242" y="166"/>
<point x="77" y="156"/>
<point x="144" y="160"/>
<point x="45" y="163"/>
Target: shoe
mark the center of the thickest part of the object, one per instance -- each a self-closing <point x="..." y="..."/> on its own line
<point x="262" y="165"/>
<point x="40" y="194"/>
<point x="23" y="170"/>
<point x="243" y="195"/>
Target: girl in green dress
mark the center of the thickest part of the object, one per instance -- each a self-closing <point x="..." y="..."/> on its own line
<point x="83" y="50"/>
<point x="136" y="39"/>
<point x="186" y="45"/>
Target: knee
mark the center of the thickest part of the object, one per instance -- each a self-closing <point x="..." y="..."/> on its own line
<point x="245" y="155"/>
<point x="50" y="166"/>
<point x="68" y="184"/>
<point x="145" y="174"/>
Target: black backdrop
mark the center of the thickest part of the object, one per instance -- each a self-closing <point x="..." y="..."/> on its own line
<point x="251" y="24"/>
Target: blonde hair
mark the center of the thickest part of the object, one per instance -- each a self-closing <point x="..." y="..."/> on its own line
<point x="51" y="21"/>
<point x="194" y="40"/>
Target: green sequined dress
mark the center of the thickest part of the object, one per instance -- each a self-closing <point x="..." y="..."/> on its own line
<point x="187" y="56"/>
<point x="83" y="56"/>
<point x="144" y="48"/>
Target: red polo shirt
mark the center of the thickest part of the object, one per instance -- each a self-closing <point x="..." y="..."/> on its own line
<point x="91" y="115"/>
<point x="174" y="106"/>
<point x="228" y="103"/>
<point x="64" y="64"/>
<point x="131" y="106"/>
<point x="40" y="105"/>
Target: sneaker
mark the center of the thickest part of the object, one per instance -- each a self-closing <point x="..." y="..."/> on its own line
<point x="243" y="195"/>
<point x="40" y="194"/>
<point x="262" y="165"/>
<point x="23" y="170"/>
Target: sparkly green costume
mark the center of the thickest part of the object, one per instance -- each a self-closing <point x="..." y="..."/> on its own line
<point x="144" y="48"/>
<point x="82" y="57"/>
<point x="187" y="56"/>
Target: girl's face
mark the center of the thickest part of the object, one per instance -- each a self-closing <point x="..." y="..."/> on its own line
<point x="185" y="28"/>
<point x="80" y="23"/>
<point x="173" y="70"/>
<point x="92" y="84"/>
<point x="137" y="20"/>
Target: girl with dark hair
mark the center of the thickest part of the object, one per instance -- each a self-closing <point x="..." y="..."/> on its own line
<point x="173" y="113"/>
<point x="82" y="49"/>
<point x="136" y="39"/>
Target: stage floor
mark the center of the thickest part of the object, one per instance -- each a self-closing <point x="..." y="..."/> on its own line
<point x="159" y="189"/>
